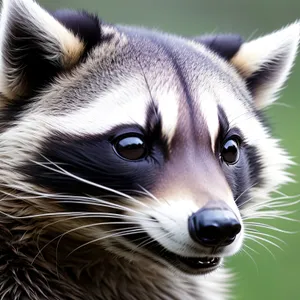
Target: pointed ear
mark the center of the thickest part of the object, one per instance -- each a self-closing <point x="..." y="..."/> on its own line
<point x="34" y="46"/>
<point x="266" y="62"/>
<point x="84" y="25"/>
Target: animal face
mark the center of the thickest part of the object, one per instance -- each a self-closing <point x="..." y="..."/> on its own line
<point x="143" y="144"/>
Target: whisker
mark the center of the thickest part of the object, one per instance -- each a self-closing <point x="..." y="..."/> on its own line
<point x="263" y="239"/>
<point x="284" y="204"/>
<point x="154" y="197"/>
<point x="59" y="237"/>
<point x="250" y="256"/>
<point x="146" y="242"/>
<point x="273" y="203"/>
<point x="122" y="230"/>
<point x="269" y="227"/>
<point x="248" y="247"/>
<point x="151" y="240"/>
<point x="58" y="197"/>
<point x="62" y="171"/>
<point x="132" y="219"/>
<point x="149" y="194"/>
<point x="271" y="215"/>
<point x="102" y="238"/>
<point x="280" y="193"/>
<point x="250" y="37"/>
<point x="245" y="191"/>
<point x="261" y="244"/>
<point x="255" y="233"/>
<point x="59" y="214"/>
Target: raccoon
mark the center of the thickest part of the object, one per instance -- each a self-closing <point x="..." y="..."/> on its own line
<point x="131" y="159"/>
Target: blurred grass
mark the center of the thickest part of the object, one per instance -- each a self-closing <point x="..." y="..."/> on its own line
<point x="267" y="278"/>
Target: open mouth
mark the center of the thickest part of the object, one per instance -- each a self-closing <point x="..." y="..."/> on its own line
<point x="198" y="263"/>
<point x="195" y="265"/>
<point x="190" y="265"/>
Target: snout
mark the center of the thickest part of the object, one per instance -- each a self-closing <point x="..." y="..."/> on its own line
<point x="214" y="226"/>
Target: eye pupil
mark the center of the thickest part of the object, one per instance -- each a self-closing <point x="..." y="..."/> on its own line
<point x="230" y="152"/>
<point x="131" y="148"/>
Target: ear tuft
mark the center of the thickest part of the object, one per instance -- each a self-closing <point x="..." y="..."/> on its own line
<point x="225" y="45"/>
<point x="266" y="62"/>
<point x="84" y="25"/>
<point x="33" y="47"/>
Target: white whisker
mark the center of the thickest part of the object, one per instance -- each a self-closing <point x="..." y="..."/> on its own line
<point x="62" y="171"/>
<point x="271" y="215"/>
<point x="250" y="256"/>
<point x="248" y="247"/>
<point x="105" y="237"/>
<point x="263" y="239"/>
<point x="261" y="244"/>
<point x="269" y="227"/>
<point x="60" y="214"/>
<point x="245" y="191"/>
<point x="256" y="233"/>
<point x="59" y="197"/>
<point x="149" y="194"/>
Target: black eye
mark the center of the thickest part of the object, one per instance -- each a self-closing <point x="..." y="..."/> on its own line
<point x="131" y="147"/>
<point x="231" y="152"/>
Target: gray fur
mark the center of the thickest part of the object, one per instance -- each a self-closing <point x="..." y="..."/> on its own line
<point x="41" y="242"/>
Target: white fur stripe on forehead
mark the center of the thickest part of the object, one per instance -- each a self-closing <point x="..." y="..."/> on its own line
<point x="168" y="105"/>
<point x="265" y="62"/>
<point x="60" y="46"/>
<point x="209" y="112"/>
<point x="124" y="103"/>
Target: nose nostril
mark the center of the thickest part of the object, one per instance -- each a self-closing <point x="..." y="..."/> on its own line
<point x="214" y="227"/>
<point x="210" y="235"/>
<point x="235" y="230"/>
<point x="211" y="232"/>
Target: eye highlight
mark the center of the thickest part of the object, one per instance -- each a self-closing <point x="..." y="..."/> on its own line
<point x="231" y="151"/>
<point x="130" y="147"/>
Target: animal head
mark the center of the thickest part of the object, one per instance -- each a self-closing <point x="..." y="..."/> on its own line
<point x="143" y="144"/>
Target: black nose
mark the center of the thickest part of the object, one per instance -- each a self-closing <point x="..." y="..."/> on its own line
<point x="213" y="227"/>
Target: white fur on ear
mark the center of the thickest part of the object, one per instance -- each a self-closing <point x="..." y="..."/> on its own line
<point x="266" y="62"/>
<point x="25" y="27"/>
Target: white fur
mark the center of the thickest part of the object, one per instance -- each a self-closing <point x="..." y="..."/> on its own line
<point x="168" y="109"/>
<point x="172" y="215"/>
<point x="209" y="112"/>
<point x="280" y="45"/>
<point x="126" y="102"/>
<point x="276" y="160"/>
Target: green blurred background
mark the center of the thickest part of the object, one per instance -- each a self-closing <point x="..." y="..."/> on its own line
<point x="267" y="278"/>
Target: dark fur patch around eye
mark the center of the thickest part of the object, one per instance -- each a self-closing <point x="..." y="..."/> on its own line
<point x="247" y="173"/>
<point x="93" y="158"/>
<point x="85" y="25"/>
<point x="154" y="126"/>
<point x="225" y="45"/>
